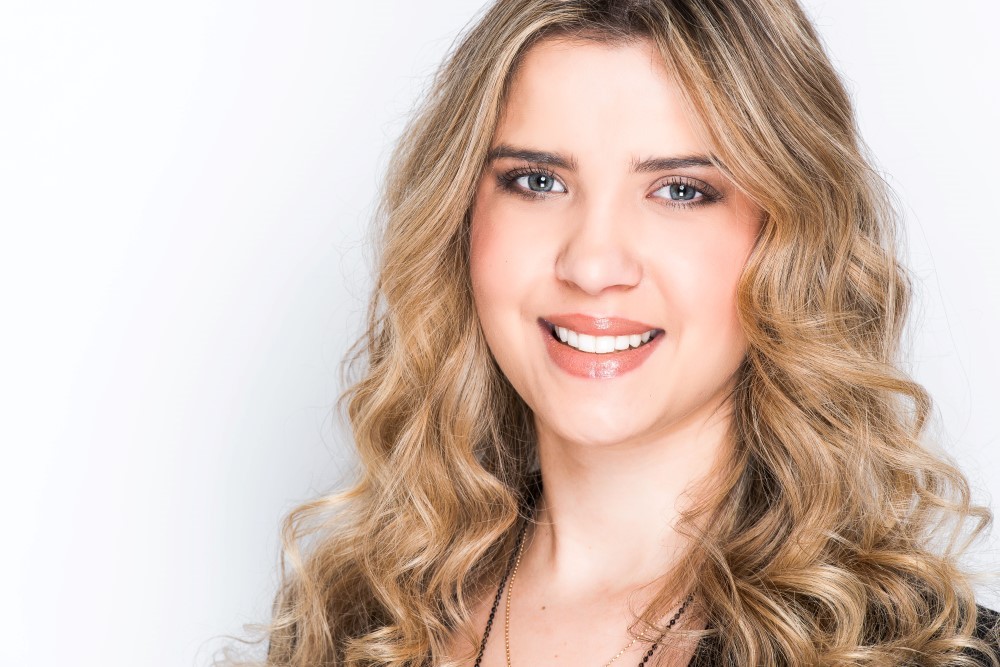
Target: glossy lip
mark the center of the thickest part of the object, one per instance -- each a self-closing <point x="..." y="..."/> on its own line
<point x="599" y="325"/>
<point x="590" y="365"/>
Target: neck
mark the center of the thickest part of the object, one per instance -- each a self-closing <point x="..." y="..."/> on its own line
<point x="607" y="514"/>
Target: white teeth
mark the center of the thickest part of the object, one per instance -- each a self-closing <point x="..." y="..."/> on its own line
<point x="600" y="344"/>
<point x="605" y="344"/>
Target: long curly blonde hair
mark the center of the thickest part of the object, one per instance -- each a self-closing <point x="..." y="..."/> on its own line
<point x="835" y="534"/>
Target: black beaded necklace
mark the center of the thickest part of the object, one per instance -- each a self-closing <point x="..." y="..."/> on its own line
<point x="503" y="582"/>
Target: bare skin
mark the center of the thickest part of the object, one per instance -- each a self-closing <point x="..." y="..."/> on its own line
<point x="619" y="455"/>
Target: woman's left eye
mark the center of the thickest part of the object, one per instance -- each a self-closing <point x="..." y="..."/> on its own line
<point x="684" y="193"/>
<point x="680" y="192"/>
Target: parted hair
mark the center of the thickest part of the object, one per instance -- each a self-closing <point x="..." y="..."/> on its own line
<point x="833" y="534"/>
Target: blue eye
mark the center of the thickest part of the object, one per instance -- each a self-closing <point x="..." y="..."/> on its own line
<point x="540" y="183"/>
<point x="531" y="182"/>
<point x="685" y="192"/>
<point x="681" y="192"/>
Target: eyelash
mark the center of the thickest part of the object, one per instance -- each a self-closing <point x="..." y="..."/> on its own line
<point x="508" y="182"/>
<point x="709" y="195"/>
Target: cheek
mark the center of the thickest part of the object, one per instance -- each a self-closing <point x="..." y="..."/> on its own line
<point x="500" y="267"/>
<point x="719" y="273"/>
<point x="488" y="259"/>
<point x="703" y="279"/>
<point x="483" y="252"/>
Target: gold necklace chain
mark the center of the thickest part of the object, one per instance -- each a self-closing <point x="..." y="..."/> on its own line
<point x="506" y="611"/>
<point x="506" y="615"/>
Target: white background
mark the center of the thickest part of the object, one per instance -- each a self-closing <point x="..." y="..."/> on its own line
<point x="184" y="192"/>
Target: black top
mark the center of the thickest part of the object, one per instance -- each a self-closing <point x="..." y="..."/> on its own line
<point x="986" y="622"/>
<point x="707" y="653"/>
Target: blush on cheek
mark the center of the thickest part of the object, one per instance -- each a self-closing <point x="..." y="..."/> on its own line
<point x="482" y="228"/>
<point x="483" y="264"/>
<point x="479" y="248"/>
<point x="489" y="279"/>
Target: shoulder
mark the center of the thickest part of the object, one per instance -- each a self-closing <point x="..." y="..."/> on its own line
<point x="987" y="629"/>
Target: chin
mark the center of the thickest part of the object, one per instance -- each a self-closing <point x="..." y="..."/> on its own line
<point x="595" y="428"/>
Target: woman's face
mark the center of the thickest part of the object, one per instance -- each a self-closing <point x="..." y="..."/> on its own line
<point x="599" y="219"/>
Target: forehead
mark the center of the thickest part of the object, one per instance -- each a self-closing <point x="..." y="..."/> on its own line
<point x="579" y="96"/>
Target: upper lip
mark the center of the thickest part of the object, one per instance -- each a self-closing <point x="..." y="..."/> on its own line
<point x="598" y="325"/>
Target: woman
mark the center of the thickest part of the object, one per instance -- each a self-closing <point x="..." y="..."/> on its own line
<point x="631" y="392"/>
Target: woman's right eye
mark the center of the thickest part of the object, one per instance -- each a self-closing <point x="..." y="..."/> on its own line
<point x="540" y="183"/>
<point x="531" y="182"/>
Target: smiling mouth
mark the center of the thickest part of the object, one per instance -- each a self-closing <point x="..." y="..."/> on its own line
<point x="601" y="344"/>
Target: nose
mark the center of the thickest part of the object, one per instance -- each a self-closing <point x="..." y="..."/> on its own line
<point x="596" y="254"/>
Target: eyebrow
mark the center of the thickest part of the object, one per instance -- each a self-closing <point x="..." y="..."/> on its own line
<point x="667" y="163"/>
<point x="568" y="162"/>
<point x="541" y="157"/>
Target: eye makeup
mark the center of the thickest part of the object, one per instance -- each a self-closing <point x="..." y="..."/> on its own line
<point x="511" y="182"/>
<point x="508" y="181"/>
<point x="706" y="193"/>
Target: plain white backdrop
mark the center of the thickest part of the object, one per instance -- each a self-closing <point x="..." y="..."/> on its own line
<point x="184" y="196"/>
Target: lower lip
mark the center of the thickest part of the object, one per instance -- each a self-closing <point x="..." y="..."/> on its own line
<point x="596" y="366"/>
